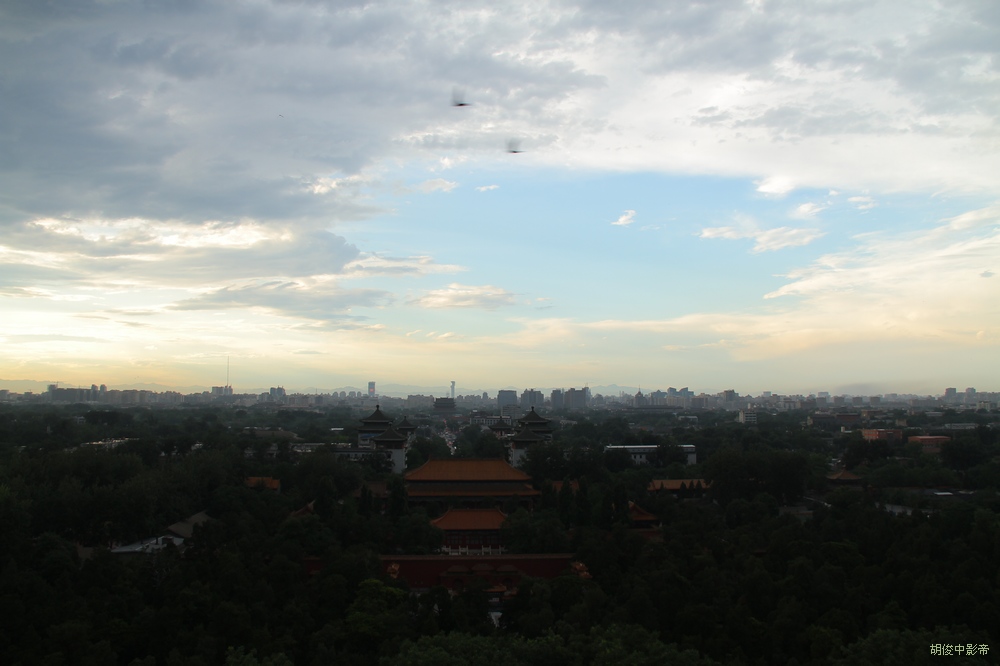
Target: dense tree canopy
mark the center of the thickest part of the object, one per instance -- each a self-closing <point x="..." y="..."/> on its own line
<point x="725" y="578"/>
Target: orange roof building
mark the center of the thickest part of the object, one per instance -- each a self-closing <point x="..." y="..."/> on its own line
<point x="680" y="488"/>
<point x="929" y="444"/>
<point x="471" y="531"/>
<point x="265" y="482"/>
<point x="469" y="482"/>
<point x="640" y="517"/>
<point x="843" y="477"/>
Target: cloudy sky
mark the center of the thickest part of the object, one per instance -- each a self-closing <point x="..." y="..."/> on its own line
<point x="763" y="195"/>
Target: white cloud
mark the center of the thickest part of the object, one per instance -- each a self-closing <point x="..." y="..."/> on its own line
<point x="370" y="264"/>
<point x="765" y="240"/>
<point x="437" y="185"/>
<point x="487" y="188"/>
<point x="315" y="301"/>
<point x="625" y="219"/>
<point x="325" y="184"/>
<point x="931" y="261"/>
<point x="915" y="288"/>
<point x="807" y="211"/>
<point x="862" y="203"/>
<point x="465" y="296"/>
<point x="776" y="186"/>
<point x="151" y="252"/>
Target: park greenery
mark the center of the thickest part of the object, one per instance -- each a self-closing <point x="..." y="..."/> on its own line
<point x="293" y="577"/>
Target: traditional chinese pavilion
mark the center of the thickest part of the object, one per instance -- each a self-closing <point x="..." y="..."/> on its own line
<point x="469" y="483"/>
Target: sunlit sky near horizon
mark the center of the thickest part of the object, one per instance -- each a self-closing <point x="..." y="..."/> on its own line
<point x="786" y="196"/>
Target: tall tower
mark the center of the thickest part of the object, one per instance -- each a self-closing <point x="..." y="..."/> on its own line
<point x="452" y="390"/>
<point x="371" y="389"/>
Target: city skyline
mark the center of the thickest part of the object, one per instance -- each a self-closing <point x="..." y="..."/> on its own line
<point x="967" y="395"/>
<point x="748" y="195"/>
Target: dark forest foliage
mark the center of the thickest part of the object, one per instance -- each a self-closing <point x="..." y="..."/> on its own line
<point x="729" y="581"/>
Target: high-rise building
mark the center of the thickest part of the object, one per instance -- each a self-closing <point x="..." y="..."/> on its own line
<point x="575" y="398"/>
<point x="531" y="398"/>
<point x="505" y="398"/>
<point x="371" y="389"/>
<point x="557" y="399"/>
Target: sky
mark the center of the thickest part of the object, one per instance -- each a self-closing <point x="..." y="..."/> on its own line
<point x="793" y="196"/>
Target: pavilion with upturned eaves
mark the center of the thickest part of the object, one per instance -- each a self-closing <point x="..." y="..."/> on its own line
<point x="537" y="423"/>
<point x="533" y="429"/>
<point x="520" y="443"/>
<point x="377" y="432"/>
<point x="469" y="483"/>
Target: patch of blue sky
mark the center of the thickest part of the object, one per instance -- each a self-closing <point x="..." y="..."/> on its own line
<point x="551" y="233"/>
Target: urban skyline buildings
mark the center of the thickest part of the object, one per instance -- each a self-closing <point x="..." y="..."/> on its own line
<point x="556" y="398"/>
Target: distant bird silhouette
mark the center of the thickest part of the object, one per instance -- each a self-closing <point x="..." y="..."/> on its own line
<point x="458" y="98"/>
<point x="514" y="146"/>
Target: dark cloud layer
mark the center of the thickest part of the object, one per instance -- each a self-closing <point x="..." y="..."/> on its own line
<point x="215" y="110"/>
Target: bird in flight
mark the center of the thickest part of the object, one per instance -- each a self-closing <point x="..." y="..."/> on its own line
<point x="458" y="98"/>
<point x="514" y="146"/>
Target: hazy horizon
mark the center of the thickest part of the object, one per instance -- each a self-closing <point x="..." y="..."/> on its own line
<point x="396" y="390"/>
<point x="750" y="195"/>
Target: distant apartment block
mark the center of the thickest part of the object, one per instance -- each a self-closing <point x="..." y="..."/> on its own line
<point x="882" y="435"/>
<point x="531" y="399"/>
<point x="577" y="398"/>
<point x="419" y="401"/>
<point x="929" y="444"/>
<point x="506" y="397"/>
<point x="645" y="454"/>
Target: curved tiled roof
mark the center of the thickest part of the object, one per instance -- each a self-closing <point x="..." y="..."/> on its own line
<point x="470" y="519"/>
<point x="533" y="417"/>
<point x="528" y="435"/>
<point x="467" y="469"/>
<point x="640" y="515"/>
<point x="377" y="417"/>
<point x="405" y="426"/>
<point x="675" y="484"/>
<point x="496" y="489"/>
<point x="390" y="435"/>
